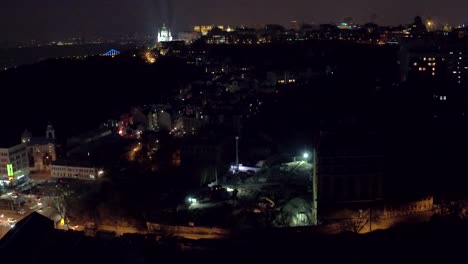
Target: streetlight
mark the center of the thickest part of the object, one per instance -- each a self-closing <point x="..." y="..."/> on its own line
<point x="305" y="155"/>
<point x="237" y="153"/>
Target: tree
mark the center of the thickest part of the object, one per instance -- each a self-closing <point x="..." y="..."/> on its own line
<point x="358" y="223"/>
<point x="59" y="205"/>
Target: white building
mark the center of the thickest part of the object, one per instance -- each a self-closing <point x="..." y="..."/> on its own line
<point x="164" y="34"/>
<point x="70" y="170"/>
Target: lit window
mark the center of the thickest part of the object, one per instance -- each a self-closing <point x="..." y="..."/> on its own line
<point x="459" y="58"/>
<point x="433" y="74"/>
<point x="415" y="64"/>
<point x="424" y="59"/>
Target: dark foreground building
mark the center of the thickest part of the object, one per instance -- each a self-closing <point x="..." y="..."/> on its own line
<point x="34" y="240"/>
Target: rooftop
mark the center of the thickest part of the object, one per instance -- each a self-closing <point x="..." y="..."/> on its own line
<point x="73" y="163"/>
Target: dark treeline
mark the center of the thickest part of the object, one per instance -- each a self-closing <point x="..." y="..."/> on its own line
<point x="77" y="95"/>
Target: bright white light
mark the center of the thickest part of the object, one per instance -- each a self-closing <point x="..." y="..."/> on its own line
<point x="229" y="189"/>
<point x="101" y="172"/>
<point x="305" y="155"/>
<point x="192" y="200"/>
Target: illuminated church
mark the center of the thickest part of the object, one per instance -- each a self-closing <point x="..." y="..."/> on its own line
<point x="164" y="34"/>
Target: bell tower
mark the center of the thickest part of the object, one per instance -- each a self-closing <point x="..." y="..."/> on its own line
<point x="50" y="132"/>
<point x="26" y="137"/>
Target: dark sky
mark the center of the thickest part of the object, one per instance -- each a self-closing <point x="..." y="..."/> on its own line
<point x="45" y="19"/>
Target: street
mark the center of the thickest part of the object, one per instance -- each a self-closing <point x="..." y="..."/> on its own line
<point x="9" y="218"/>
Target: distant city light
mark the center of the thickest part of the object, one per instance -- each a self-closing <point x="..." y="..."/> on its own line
<point x="111" y="53"/>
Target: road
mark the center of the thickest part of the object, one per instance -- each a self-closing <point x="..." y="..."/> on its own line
<point x="9" y="217"/>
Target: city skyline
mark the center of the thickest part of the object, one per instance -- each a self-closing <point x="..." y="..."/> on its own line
<point x="27" y="19"/>
<point x="135" y="131"/>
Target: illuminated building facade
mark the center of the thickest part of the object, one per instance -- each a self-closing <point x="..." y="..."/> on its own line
<point x="41" y="150"/>
<point x="457" y="66"/>
<point x="430" y="66"/>
<point x="65" y="169"/>
<point x="446" y="68"/>
<point x="441" y="69"/>
<point x="13" y="164"/>
<point x="164" y="34"/>
<point x="203" y="30"/>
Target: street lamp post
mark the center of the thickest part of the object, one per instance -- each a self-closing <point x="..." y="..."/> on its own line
<point x="315" y="186"/>
<point x="237" y="153"/>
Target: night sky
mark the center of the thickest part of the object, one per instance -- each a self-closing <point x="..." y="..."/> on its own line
<point x="46" y="19"/>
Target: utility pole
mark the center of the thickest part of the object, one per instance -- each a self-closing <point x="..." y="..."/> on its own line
<point x="314" y="186"/>
<point x="237" y="153"/>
